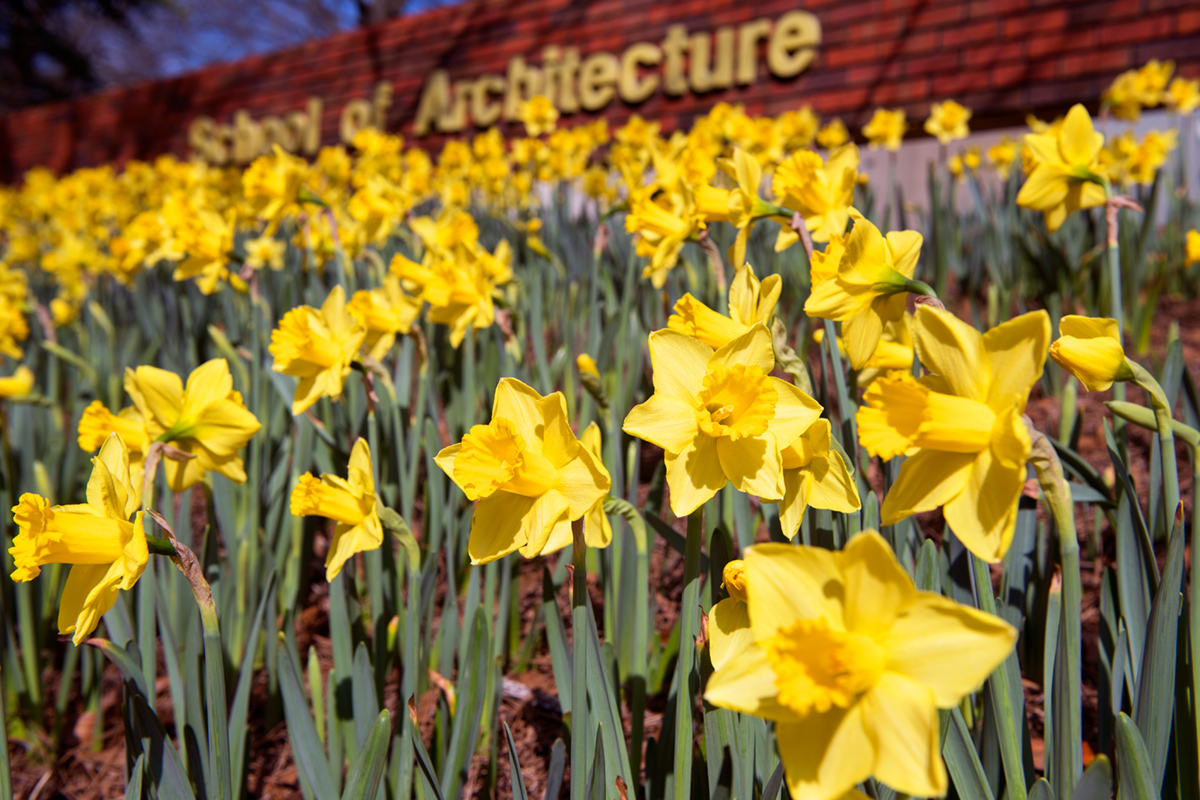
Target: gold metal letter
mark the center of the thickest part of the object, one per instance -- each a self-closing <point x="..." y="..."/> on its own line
<point x="793" y="43"/>
<point x="704" y="75"/>
<point x="632" y="87"/>
<point x="597" y="80"/>
<point x="673" y="47"/>
<point x="749" y="35"/>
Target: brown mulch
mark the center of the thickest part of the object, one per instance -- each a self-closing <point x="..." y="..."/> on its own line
<point x="529" y="702"/>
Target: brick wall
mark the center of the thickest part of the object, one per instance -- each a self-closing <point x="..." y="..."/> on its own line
<point x="1003" y="58"/>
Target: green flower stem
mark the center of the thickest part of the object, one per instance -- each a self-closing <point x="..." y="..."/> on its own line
<point x="579" y="703"/>
<point x="160" y="546"/>
<point x="214" y="668"/>
<point x="1116" y="298"/>
<point x="1067" y="767"/>
<point x="914" y="286"/>
<point x="1166" y="434"/>
<point x="688" y="618"/>
<point x="1002" y="701"/>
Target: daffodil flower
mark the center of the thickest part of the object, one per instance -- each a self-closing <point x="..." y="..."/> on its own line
<point x="1090" y="349"/>
<point x="886" y="129"/>
<point x="867" y="292"/>
<point x="720" y="416"/>
<point x="852" y="663"/>
<point x="206" y="418"/>
<point x="961" y="426"/>
<point x="19" y="384"/>
<point x="317" y="346"/>
<point x="814" y="474"/>
<point x="107" y="552"/>
<point x="745" y="206"/>
<point x="1066" y="174"/>
<point x="597" y="530"/>
<point x="528" y="472"/>
<point x="750" y="302"/>
<point x="97" y="424"/>
<point x="823" y="193"/>
<point x="948" y="121"/>
<point x="350" y="502"/>
<point x="663" y="221"/>
<point x="385" y="312"/>
<point x="729" y="630"/>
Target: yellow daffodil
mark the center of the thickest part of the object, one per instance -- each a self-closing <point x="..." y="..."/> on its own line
<point x="1002" y="155"/>
<point x="17" y="385"/>
<point x="274" y="184"/>
<point x="1090" y="349"/>
<point x="317" y="346"/>
<point x="729" y="631"/>
<point x="107" y="552"/>
<point x="597" y="530"/>
<point x="265" y="251"/>
<point x="720" y="416"/>
<point x="745" y="206"/>
<point x="823" y="193"/>
<point x="894" y="351"/>
<point x="833" y="135"/>
<point x="852" y="663"/>
<point x="97" y="424"/>
<point x="539" y="115"/>
<point x="350" y="502"/>
<point x="1191" y="252"/>
<point x="814" y="474"/>
<point x="586" y="365"/>
<point x="207" y="239"/>
<point x="1065" y="176"/>
<point x="663" y="221"/>
<point x="869" y="288"/>
<point x="886" y="129"/>
<point x="948" y="121"/>
<point x="385" y="312"/>
<point x="13" y="329"/>
<point x="205" y="418"/>
<point x="961" y="426"/>
<point x="750" y="302"/>
<point x="528" y="472"/>
<point x="1183" y="96"/>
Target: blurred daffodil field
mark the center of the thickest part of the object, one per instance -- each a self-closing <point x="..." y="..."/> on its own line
<point x="610" y="463"/>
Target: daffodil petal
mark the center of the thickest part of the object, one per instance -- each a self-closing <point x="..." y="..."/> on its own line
<point x="729" y="631"/>
<point x="498" y="525"/>
<point x="753" y="466"/>
<point x="582" y="481"/>
<point x="694" y="475"/>
<point x="903" y="720"/>
<point x="679" y="363"/>
<point x="877" y="587"/>
<point x="929" y="479"/>
<point x="795" y="412"/>
<point x="797" y="486"/>
<point x="663" y="420"/>
<point x="88" y="594"/>
<point x="832" y="487"/>
<point x="953" y="350"/>
<point x="786" y="584"/>
<point x="746" y="683"/>
<point x="520" y="405"/>
<point x="948" y="647"/>
<point x="752" y="348"/>
<point x="825" y="755"/>
<point x="1017" y="352"/>
<point x="984" y="514"/>
<point x="861" y="334"/>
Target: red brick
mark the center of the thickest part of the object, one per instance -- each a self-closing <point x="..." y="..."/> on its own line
<point x="968" y="34"/>
<point x="939" y="16"/>
<point x="1140" y="30"/>
<point x="1188" y="21"/>
<point x="857" y="54"/>
<point x="1035" y="23"/>
<point x="1099" y="61"/>
<point x="926" y="65"/>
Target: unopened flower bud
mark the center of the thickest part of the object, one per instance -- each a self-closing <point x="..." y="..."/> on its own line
<point x="733" y="578"/>
<point x="1090" y="349"/>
